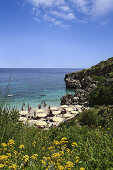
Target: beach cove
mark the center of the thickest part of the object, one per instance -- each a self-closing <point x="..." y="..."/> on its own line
<point x="51" y="116"/>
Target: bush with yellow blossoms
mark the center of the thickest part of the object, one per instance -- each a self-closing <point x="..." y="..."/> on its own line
<point x="12" y="159"/>
<point x="60" y="157"/>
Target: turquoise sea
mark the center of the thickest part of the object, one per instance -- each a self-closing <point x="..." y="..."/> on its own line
<point x="33" y="86"/>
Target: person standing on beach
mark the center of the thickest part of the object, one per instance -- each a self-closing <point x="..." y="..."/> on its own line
<point x="39" y="106"/>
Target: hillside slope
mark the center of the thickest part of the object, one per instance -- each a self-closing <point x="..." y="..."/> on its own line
<point x="85" y="81"/>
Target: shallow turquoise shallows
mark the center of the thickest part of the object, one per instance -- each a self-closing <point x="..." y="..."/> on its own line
<point x="33" y="86"/>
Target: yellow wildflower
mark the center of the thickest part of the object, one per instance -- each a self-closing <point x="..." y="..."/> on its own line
<point x="43" y="148"/>
<point x="56" y="142"/>
<point x="13" y="166"/>
<point x="3" y="157"/>
<point x="74" y="144"/>
<point x="21" y="147"/>
<point x="43" y="162"/>
<point x="61" y="152"/>
<point x="3" y="145"/>
<point x="60" y="167"/>
<point x="77" y="161"/>
<point x="34" y="143"/>
<point x="69" y="164"/>
<point x="68" y="150"/>
<point x="64" y="138"/>
<point x="34" y="156"/>
<point x="51" y="148"/>
<point x="11" y="142"/>
<point x="56" y="155"/>
<point x="15" y="152"/>
<point x="47" y="158"/>
<point x="82" y="168"/>
<point x="26" y="158"/>
<point x="8" y="154"/>
<point x="1" y="166"/>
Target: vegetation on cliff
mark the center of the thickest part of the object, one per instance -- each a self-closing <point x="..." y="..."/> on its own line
<point x="96" y="83"/>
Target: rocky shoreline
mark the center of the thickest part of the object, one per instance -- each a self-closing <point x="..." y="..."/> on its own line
<point x="83" y="82"/>
<point x="82" y="88"/>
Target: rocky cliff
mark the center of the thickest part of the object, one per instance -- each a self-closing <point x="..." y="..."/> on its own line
<point x="87" y="80"/>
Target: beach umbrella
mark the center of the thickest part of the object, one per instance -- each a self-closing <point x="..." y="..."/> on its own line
<point x="57" y="119"/>
<point x="40" y="111"/>
<point x="40" y="123"/>
<point x="30" y="122"/>
<point x="78" y="106"/>
<point x="67" y="115"/>
<point x="41" y="114"/>
<point x="56" y="112"/>
<point x="64" y="106"/>
<point x="74" y="112"/>
<point x="23" y="113"/>
<point x="21" y="119"/>
<point x="54" y="108"/>
<point x="69" y="109"/>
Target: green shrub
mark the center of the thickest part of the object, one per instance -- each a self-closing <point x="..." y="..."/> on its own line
<point x="111" y="75"/>
<point x="88" y="117"/>
<point x="101" y="95"/>
<point x="100" y="79"/>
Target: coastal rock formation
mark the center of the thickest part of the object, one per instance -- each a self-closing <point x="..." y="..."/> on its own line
<point x="87" y="80"/>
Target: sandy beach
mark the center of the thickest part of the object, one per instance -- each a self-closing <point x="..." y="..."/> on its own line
<point x="46" y="118"/>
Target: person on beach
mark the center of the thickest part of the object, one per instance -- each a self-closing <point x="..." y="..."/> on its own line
<point x="34" y="113"/>
<point x="22" y="108"/>
<point x="63" y="111"/>
<point x="39" y="106"/>
<point x="49" y="107"/>
<point x="29" y="109"/>
<point x="50" y="114"/>
<point x="28" y="106"/>
<point x="45" y="104"/>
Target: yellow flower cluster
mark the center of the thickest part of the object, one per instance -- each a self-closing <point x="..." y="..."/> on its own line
<point x="11" y="159"/>
<point x="69" y="164"/>
<point x="3" y="145"/>
<point x="61" y="157"/>
<point x="21" y="146"/>
<point x="34" y="157"/>
<point x="34" y="143"/>
<point x="11" y="142"/>
<point x="26" y="158"/>
<point x="1" y="166"/>
<point x="74" y="144"/>
<point x="56" y="142"/>
<point x="13" y="166"/>
<point x="56" y="155"/>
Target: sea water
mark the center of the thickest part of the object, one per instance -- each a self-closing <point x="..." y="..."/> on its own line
<point x="33" y="86"/>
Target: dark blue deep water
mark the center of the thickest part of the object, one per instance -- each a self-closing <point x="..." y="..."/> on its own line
<point x="33" y="85"/>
